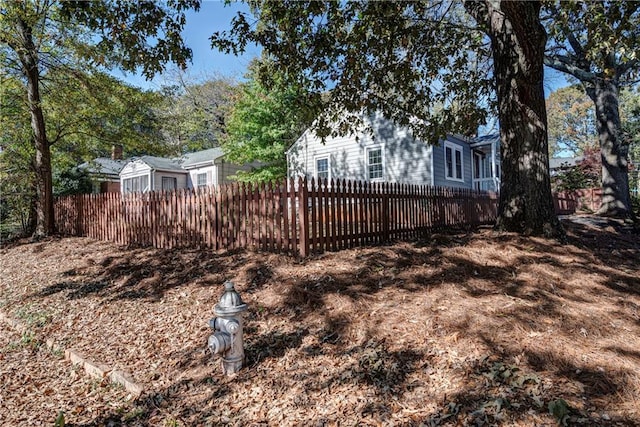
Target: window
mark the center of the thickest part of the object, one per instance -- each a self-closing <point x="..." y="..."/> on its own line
<point x="136" y="184"/>
<point x="479" y="166"/>
<point x="201" y="180"/>
<point x="374" y="163"/>
<point x="487" y="168"/>
<point x="169" y="183"/>
<point x="453" y="162"/>
<point x="322" y="168"/>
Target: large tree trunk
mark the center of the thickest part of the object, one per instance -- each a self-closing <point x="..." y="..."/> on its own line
<point x="28" y="55"/>
<point x="616" y="200"/>
<point x="518" y="42"/>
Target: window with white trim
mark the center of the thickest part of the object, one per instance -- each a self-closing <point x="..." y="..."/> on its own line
<point x="137" y="184"/>
<point x="453" y="165"/>
<point x="201" y="180"/>
<point x="322" y="168"/>
<point x="169" y="183"/>
<point x="375" y="170"/>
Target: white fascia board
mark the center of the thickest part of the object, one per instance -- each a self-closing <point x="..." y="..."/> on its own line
<point x="201" y="164"/>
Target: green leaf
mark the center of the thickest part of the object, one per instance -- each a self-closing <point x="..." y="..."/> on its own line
<point x="59" y="420"/>
<point x="560" y="410"/>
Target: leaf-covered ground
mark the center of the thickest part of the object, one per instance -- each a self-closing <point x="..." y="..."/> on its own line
<point x="475" y="328"/>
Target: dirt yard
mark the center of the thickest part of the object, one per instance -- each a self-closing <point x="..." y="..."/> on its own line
<point x="461" y="329"/>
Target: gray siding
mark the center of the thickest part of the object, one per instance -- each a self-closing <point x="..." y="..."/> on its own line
<point x="439" y="175"/>
<point x="181" y="179"/>
<point x="405" y="159"/>
<point x="345" y="154"/>
<point x="226" y="169"/>
<point x="218" y="173"/>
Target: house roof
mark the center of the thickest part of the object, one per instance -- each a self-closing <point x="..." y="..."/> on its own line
<point x="190" y="160"/>
<point x="563" y="162"/>
<point x="487" y="139"/>
<point x="160" y="163"/>
<point x="103" y="166"/>
<point x="179" y="164"/>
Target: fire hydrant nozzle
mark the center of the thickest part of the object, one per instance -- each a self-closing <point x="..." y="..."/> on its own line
<point x="219" y="342"/>
<point x="227" y="338"/>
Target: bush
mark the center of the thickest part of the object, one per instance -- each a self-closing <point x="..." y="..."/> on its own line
<point x="585" y="174"/>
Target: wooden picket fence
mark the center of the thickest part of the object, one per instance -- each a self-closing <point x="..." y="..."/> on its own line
<point x="588" y="199"/>
<point x="293" y="216"/>
<point x="565" y="203"/>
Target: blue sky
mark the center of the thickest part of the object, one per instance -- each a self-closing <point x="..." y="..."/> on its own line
<point x="553" y="80"/>
<point x="213" y="16"/>
<point x="216" y="16"/>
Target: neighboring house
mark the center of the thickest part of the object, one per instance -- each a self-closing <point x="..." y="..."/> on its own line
<point x="104" y="172"/>
<point x="150" y="173"/>
<point x="392" y="154"/>
<point x="558" y="165"/>
<point x="193" y="170"/>
<point x="209" y="167"/>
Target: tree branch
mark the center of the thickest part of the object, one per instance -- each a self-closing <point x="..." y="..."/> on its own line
<point x="575" y="45"/>
<point x="565" y="65"/>
<point x="623" y="68"/>
<point x="479" y="11"/>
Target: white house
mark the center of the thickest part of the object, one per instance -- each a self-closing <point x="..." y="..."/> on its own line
<point x="392" y="154"/>
<point x="209" y="167"/>
<point x="149" y="173"/>
<point x="199" y="169"/>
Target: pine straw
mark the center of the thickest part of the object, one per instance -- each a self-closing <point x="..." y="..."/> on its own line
<point x="458" y="329"/>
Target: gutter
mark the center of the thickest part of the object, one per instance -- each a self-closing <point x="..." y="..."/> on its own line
<point x="200" y="164"/>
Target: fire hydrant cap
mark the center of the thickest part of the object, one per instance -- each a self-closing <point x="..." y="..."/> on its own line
<point x="230" y="302"/>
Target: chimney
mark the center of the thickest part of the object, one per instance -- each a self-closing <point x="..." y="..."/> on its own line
<point x="116" y="152"/>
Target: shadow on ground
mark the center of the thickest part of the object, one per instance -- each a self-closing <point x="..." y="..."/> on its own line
<point x="496" y="302"/>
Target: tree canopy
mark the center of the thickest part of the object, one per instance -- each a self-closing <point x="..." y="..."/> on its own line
<point x="261" y="126"/>
<point x="597" y="43"/>
<point x="37" y="37"/>
<point x="192" y="113"/>
<point x="571" y="121"/>
<point x="373" y="56"/>
<point x="405" y="58"/>
<point x="105" y="112"/>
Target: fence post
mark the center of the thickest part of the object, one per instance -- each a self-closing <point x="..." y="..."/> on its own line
<point x="303" y="195"/>
<point x="79" y="212"/>
<point x="385" y="190"/>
